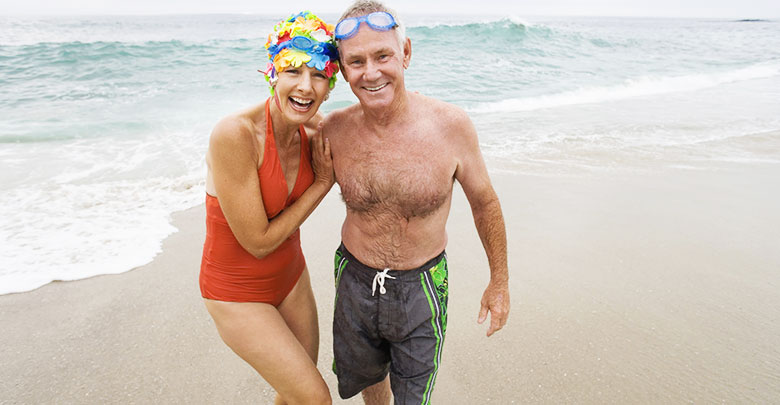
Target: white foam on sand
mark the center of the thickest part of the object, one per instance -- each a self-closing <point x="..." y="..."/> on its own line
<point x="71" y="232"/>
<point x="98" y="206"/>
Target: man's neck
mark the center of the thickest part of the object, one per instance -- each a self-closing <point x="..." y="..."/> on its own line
<point x="386" y="116"/>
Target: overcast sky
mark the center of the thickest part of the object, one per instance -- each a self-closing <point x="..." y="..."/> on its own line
<point x="642" y="8"/>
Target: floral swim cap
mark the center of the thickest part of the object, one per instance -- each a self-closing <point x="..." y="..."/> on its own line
<point x="302" y="38"/>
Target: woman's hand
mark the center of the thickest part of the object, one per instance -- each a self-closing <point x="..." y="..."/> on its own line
<point x="321" y="160"/>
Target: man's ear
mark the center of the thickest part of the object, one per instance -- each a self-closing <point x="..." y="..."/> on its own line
<point x="343" y="72"/>
<point x="407" y="52"/>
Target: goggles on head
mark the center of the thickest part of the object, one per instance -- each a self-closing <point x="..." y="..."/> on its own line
<point x="378" y="21"/>
<point x="300" y="43"/>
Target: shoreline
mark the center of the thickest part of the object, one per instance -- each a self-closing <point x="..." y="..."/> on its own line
<point x="626" y="287"/>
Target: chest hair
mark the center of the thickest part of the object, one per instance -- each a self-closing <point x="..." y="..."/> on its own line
<point x="405" y="179"/>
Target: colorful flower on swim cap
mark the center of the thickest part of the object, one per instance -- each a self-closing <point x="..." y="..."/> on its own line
<point x="331" y="68"/>
<point x="318" y="61"/>
<point x="318" y="51"/>
<point x="290" y="57"/>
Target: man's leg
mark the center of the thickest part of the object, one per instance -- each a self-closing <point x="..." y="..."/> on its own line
<point x="378" y="394"/>
<point x="361" y="356"/>
<point x="416" y="356"/>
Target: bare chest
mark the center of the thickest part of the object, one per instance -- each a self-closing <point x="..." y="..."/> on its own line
<point x="409" y="178"/>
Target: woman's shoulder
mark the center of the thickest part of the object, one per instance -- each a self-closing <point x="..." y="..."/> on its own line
<point x="239" y="129"/>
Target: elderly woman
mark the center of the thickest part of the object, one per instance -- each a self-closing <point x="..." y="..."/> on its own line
<point x="268" y="168"/>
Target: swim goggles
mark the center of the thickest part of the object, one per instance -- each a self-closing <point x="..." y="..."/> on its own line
<point x="303" y="44"/>
<point x="378" y="21"/>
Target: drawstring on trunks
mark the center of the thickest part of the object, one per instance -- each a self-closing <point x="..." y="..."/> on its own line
<point x="380" y="279"/>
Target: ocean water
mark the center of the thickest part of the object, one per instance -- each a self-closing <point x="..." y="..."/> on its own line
<point x="104" y="121"/>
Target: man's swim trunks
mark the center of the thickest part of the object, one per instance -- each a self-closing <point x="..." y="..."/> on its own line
<point x="389" y="321"/>
<point x="230" y="273"/>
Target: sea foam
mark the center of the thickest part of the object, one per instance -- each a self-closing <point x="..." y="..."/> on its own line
<point x="638" y="87"/>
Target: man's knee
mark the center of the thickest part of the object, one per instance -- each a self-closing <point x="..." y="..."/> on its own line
<point x="377" y="394"/>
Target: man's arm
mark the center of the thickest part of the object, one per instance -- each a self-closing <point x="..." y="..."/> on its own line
<point x="472" y="174"/>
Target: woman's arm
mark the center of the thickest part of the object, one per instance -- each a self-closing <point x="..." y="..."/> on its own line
<point x="234" y="162"/>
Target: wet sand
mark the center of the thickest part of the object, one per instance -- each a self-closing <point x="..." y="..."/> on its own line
<point x="652" y="287"/>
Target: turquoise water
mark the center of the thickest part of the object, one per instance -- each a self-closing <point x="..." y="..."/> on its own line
<point x="104" y="121"/>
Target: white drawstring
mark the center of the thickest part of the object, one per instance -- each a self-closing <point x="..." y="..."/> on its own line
<point x="380" y="278"/>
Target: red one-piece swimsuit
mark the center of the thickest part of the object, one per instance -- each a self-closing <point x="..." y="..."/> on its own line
<point x="230" y="273"/>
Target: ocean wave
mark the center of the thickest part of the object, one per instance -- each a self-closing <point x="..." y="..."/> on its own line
<point x="639" y="87"/>
<point x="55" y="129"/>
<point x="66" y="52"/>
<point x="511" y="21"/>
<point x="129" y="29"/>
<point x="507" y="27"/>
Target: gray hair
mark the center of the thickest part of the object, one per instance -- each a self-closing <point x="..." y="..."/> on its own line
<point x="365" y="7"/>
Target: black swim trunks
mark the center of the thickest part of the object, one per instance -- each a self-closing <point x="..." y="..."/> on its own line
<point x="389" y="321"/>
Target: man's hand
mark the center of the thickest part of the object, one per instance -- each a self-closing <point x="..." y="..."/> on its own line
<point x="495" y="299"/>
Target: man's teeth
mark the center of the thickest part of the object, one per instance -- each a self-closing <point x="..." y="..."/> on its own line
<point x="376" y="88"/>
<point x="302" y="101"/>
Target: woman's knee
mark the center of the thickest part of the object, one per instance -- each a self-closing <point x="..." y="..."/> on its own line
<point x="318" y="394"/>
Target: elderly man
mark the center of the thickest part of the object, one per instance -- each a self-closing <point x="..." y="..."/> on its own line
<point x="396" y="155"/>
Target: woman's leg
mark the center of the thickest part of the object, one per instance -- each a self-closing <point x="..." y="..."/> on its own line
<point x="299" y="311"/>
<point x="258" y="333"/>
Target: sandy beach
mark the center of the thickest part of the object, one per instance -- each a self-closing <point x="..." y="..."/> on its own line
<point x="636" y="157"/>
<point x="628" y="286"/>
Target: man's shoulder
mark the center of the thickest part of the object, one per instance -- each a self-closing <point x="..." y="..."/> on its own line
<point x="339" y="123"/>
<point x="447" y="115"/>
<point x="440" y="109"/>
<point x="341" y="115"/>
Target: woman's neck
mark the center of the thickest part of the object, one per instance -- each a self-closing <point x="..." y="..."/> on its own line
<point x="284" y="131"/>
